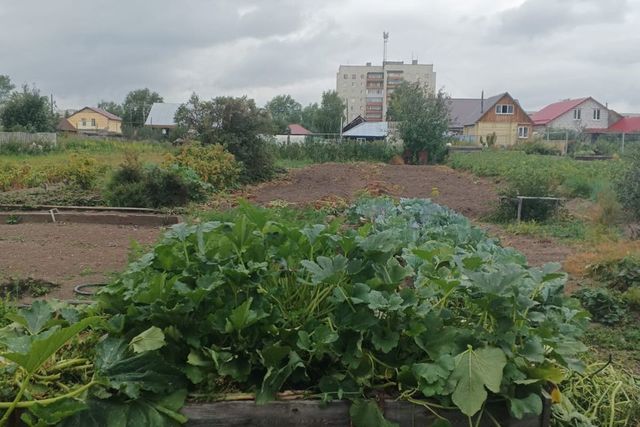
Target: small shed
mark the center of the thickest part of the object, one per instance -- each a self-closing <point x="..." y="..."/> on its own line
<point x="368" y="131"/>
<point x="295" y="133"/>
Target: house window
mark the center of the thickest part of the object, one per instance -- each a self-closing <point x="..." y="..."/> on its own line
<point x="93" y="122"/>
<point x="596" y="114"/>
<point x="503" y="109"/>
<point x="84" y="123"/>
<point x="577" y="114"/>
<point x="523" y="132"/>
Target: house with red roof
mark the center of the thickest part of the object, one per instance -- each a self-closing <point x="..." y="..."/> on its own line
<point x="294" y="133"/>
<point x="626" y="126"/>
<point x="580" y="115"/>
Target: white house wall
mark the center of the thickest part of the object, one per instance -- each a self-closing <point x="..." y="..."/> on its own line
<point x="566" y="120"/>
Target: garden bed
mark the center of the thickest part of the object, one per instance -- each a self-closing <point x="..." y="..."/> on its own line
<point x="336" y="414"/>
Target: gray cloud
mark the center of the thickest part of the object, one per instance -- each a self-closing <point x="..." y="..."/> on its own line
<point x="539" y="50"/>
<point x="536" y="18"/>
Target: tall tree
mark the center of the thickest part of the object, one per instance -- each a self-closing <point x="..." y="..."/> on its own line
<point x="330" y="115"/>
<point x="112" y="107"/>
<point x="237" y="124"/>
<point x="284" y="111"/>
<point x="309" y="115"/>
<point x="29" y="111"/>
<point x="423" y="120"/>
<point x="5" y="88"/>
<point x="137" y="105"/>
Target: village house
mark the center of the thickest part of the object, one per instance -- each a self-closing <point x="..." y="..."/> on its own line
<point x="162" y="116"/>
<point x="92" y="120"/>
<point x="579" y="115"/>
<point x="499" y="118"/>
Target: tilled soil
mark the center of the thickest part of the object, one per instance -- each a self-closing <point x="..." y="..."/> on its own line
<point x="68" y="254"/>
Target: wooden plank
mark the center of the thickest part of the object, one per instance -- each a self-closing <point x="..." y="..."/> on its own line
<point x="308" y="413"/>
<point x="77" y="208"/>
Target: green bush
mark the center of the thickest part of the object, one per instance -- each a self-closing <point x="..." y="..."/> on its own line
<point x="628" y="184"/>
<point x="318" y="151"/>
<point x="153" y="186"/>
<point x="632" y="297"/>
<point x="618" y="274"/>
<point x="17" y="148"/>
<point x="212" y="163"/>
<point x="605" y="306"/>
<point x="537" y="147"/>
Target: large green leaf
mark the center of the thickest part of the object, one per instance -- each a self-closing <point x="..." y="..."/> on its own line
<point x="365" y="413"/>
<point x="276" y="377"/>
<point x="325" y="268"/>
<point x="475" y="370"/>
<point x="134" y="374"/>
<point x="42" y="349"/>
<point x="530" y="405"/>
<point x="35" y="318"/>
<point x="117" y="413"/>
<point x="151" y="339"/>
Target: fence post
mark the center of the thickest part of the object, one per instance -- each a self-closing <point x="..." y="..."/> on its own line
<point x="520" y="199"/>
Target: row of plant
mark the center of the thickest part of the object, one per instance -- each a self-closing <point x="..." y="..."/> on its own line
<point x="319" y="151"/>
<point x="405" y="300"/>
<point x="190" y="174"/>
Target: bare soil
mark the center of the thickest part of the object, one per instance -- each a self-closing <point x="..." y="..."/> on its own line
<point x="72" y="254"/>
<point x="68" y="254"/>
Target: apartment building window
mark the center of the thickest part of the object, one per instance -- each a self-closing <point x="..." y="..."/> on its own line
<point x="362" y="76"/>
<point x="523" y="132"/>
<point x="504" y="109"/>
<point x="346" y="76"/>
<point x="596" y="114"/>
<point x="353" y="76"/>
<point x="577" y="114"/>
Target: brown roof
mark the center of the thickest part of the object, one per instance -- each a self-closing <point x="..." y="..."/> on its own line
<point x="65" y="125"/>
<point x="102" y="112"/>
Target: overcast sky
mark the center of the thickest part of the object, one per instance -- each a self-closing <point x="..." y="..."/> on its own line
<point x="538" y="50"/>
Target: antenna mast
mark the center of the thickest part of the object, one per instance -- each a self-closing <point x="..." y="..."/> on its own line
<point x="385" y="37"/>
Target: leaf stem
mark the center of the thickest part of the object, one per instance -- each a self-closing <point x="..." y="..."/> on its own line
<point x="44" y="402"/>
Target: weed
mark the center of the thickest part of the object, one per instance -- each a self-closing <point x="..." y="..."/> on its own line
<point x="14" y="219"/>
<point x="18" y="288"/>
<point x="605" y="307"/>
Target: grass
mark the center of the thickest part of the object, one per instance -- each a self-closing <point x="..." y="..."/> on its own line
<point x="562" y="176"/>
<point x="566" y="230"/>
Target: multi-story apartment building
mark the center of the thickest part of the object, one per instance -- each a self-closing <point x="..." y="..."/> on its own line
<point x="366" y="89"/>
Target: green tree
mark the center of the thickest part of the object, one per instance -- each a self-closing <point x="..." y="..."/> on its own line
<point x="136" y="107"/>
<point x="423" y="121"/>
<point x="330" y="115"/>
<point x="284" y="111"/>
<point x="5" y="88"/>
<point x="309" y="115"/>
<point x="28" y="111"/>
<point x="112" y="107"/>
<point x="235" y="123"/>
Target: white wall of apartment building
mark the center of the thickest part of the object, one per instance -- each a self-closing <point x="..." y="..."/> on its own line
<point x="351" y="84"/>
<point x="592" y="115"/>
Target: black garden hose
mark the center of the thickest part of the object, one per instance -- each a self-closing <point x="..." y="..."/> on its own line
<point x="80" y="289"/>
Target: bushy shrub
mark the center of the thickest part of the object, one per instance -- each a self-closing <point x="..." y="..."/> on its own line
<point x="605" y="306"/>
<point x="212" y="163"/>
<point x="619" y="274"/>
<point x="632" y="297"/>
<point x="538" y="147"/>
<point x="153" y="186"/>
<point x="628" y="184"/>
<point x="528" y="183"/>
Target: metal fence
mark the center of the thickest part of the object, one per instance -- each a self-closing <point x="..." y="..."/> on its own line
<point x="28" y="138"/>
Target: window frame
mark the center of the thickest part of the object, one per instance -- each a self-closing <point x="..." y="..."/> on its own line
<point x="523" y="132"/>
<point x="500" y="109"/>
<point x="577" y="114"/>
<point x="597" y="115"/>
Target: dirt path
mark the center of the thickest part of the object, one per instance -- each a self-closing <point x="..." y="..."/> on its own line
<point x="67" y="254"/>
<point x="471" y="196"/>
